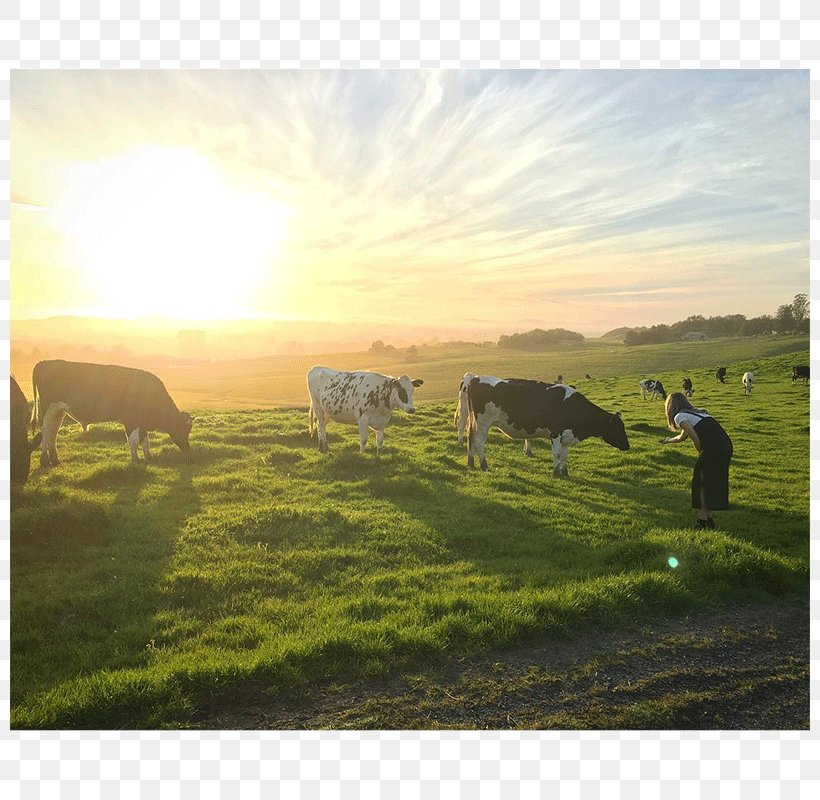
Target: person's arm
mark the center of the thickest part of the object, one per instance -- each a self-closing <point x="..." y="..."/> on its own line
<point x="686" y="431"/>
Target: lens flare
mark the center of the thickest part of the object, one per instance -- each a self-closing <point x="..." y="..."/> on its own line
<point x="672" y="561"/>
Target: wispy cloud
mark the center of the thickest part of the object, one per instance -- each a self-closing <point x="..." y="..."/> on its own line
<point x="481" y="194"/>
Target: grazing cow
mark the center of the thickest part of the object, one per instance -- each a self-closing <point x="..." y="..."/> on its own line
<point x="687" y="387"/>
<point x="20" y="448"/>
<point x="527" y="409"/>
<point x="588" y="376"/>
<point x="720" y="374"/>
<point x="104" y="393"/>
<point x="462" y="415"/>
<point x="655" y="389"/>
<point x="800" y="372"/>
<point x="366" y="399"/>
<point x="559" y="379"/>
<point x="748" y="379"/>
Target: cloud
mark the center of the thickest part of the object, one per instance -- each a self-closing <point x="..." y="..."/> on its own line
<point x="488" y="184"/>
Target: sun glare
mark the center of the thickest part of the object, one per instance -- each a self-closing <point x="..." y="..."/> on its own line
<point x="163" y="233"/>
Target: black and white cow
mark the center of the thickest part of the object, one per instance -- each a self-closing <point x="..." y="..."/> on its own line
<point x="525" y="409"/>
<point x="687" y="387"/>
<point x="748" y="379"/>
<point x="720" y="374"/>
<point x="366" y="399"/>
<point x="655" y="388"/>
<point x="104" y="393"/>
<point x="20" y="448"/>
<point x="800" y="372"/>
<point x="462" y="415"/>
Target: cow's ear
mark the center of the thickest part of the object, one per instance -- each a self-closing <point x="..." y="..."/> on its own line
<point x="418" y="382"/>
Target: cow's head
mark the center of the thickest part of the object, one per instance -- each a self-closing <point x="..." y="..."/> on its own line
<point x="615" y="433"/>
<point x="401" y="393"/>
<point x="180" y="429"/>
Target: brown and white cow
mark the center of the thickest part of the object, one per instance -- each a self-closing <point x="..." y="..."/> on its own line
<point x="365" y="399"/>
<point x="527" y="409"/>
<point x="20" y="448"/>
<point x="104" y="393"/>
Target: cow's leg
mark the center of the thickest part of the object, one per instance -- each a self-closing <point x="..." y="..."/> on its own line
<point x="321" y="426"/>
<point x="379" y="441"/>
<point x="133" y="439"/>
<point x="643" y="393"/>
<point x="527" y="447"/>
<point x="557" y="447"/>
<point x="481" y="434"/>
<point x="564" y="458"/>
<point x="363" y="433"/>
<point x="146" y="451"/>
<point x="52" y="420"/>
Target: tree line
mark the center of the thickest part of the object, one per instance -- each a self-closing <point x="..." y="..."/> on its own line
<point x="789" y="317"/>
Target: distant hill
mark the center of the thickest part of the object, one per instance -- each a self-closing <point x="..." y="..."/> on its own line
<point x="619" y="333"/>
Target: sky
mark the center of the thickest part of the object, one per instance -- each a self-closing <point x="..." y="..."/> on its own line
<point x="483" y="199"/>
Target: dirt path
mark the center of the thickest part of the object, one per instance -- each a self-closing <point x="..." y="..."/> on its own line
<point x="744" y="668"/>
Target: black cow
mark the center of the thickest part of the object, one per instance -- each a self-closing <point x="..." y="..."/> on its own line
<point x="104" y="393"/>
<point x="525" y="409"/>
<point x="20" y="448"/>
<point x="687" y="387"/>
<point x="721" y="374"/>
<point x="800" y="372"/>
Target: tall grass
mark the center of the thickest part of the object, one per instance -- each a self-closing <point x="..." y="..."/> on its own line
<point x="137" y="590"/>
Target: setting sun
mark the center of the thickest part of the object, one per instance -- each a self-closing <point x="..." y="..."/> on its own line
<point x="163" y="233"/>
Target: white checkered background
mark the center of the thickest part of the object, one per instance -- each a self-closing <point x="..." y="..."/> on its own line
<point x="333" y="34"/>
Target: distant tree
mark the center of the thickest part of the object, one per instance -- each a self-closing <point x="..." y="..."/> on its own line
<point x="757" y="326"/>
<point x="800" y="307"/>
<point x="412" y="353"/>
<point x="784" y="319"/>
<point x="377" y="346"/>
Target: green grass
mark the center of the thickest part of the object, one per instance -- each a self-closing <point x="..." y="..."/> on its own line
<point x="137" y="591"/>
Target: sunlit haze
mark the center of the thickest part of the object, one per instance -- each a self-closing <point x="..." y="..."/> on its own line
<point x="485" y="200"/>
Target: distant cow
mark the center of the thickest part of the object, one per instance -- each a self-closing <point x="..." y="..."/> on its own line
<point x="20" y="448"/>
<point x="748" y="379"/>
<point x="588" y="376"/>
<point x="687" y="387"/>
<point x="800" y="372"/>
<point x="104" y="393"/>
<point x="525" y="409"/>
<point x="462" y="415"/>
<point x="366" y="399"/>
<point x="720" y="374"/>
<point x="655" y="389"/>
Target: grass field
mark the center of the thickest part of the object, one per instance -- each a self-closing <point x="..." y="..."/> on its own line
<point x="140" y="593"/>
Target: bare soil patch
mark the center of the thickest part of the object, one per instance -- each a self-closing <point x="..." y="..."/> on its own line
<point x="741" y="668"/>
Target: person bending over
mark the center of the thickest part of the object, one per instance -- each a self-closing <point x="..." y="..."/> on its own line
<point x="710" y="479"/>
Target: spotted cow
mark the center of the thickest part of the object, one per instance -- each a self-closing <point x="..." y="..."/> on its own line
<point x="687" y="387"/>
<point x="720" y="374"/>
<point x="655" y="389"/>
<point x="525" y="409"/>
<point x="366" y="399"/>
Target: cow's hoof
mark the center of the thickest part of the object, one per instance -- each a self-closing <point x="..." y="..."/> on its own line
<point x="484" y="465"/>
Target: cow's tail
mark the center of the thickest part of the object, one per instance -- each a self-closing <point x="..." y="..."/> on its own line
<point x="312" y="426"/>
<point x="471" y="422"/>
<point x="36" y="406"/>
